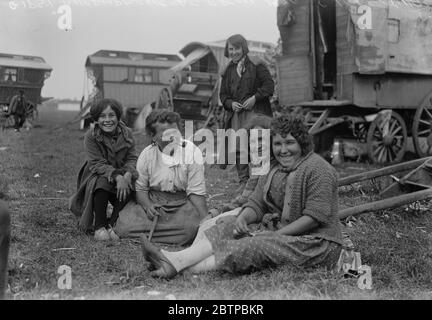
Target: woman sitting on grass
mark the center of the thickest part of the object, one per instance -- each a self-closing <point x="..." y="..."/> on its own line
<point x="170" y="188"/>
<point x="301" y="190"/>
<point x="258" y="122"/>
<point x="108" y="174"/>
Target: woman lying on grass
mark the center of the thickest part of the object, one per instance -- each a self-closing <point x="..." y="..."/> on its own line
<point x="300" y="190"/>
<point x="170" y="188"/>
<point x="108" y="174"/>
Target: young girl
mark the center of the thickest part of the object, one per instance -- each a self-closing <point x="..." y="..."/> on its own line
<point x="109" y="172"/>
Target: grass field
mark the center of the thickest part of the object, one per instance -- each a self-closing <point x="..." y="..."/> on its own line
<point x="40" y="166"/>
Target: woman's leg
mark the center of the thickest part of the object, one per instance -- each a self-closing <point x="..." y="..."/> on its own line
<point x="207" y="224"/>
<point x="100" y="204"/>
<point x="208" y="264"/>
<point x="169" y="263"/>
<point x="117" y="207"/>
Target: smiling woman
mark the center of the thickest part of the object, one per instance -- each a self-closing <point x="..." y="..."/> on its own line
<point x="108" y="174"/>
<point x="170" y="189"/>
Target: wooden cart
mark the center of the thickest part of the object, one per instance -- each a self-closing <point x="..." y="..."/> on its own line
<point x="27" y="73"/>
<point x="360" y="72"/>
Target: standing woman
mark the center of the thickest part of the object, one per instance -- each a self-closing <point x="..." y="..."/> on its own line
<point x="246" y="89"/>
<point x="108" y="174"/>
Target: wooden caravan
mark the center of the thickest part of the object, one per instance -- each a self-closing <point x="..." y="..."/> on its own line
<point x="362" y="72"/>
<point x="135" y="79"/>
<point x="19" y="72"/>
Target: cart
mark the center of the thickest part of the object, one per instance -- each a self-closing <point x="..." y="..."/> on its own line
<point x="361" y="72"/>
<point x="415" y="184"/>
<point x="26" y="73"/>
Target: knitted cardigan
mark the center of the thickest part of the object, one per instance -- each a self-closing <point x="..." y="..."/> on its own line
<point x="314" y="193"/>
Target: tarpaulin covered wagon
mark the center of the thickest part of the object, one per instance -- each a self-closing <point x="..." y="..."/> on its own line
<point x="361" y="71"/>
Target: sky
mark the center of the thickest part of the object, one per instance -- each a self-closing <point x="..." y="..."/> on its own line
<point x="30" y="27"/>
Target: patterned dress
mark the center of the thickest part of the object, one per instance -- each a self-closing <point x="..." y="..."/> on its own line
<point x="253" y="253"/>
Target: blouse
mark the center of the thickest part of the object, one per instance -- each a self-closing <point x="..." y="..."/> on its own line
<point x="181" y="171"/>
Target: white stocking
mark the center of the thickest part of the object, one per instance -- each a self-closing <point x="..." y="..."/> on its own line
<point x="190" y="256"/>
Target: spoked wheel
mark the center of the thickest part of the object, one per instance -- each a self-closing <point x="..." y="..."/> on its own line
<point x="422" y="128"/>
<point x="10" y="122"/>
<point x="387" y="140"/>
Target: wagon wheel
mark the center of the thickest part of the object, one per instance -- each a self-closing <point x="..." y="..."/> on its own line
<point x="387" y="140"/>
<point x="32" y="112"/>
<point x="10" y="122"/>
<point x="422" y="128"/>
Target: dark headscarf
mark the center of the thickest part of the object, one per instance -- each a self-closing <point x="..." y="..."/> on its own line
<point x="237" y="41"/>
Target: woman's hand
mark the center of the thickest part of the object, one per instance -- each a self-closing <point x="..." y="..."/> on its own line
<point x="237" y="107"/>
<point x="249" y="103"/>
<point x="128" y="178"/>
<point x="152" y="211"/>
<point x="122" y="187"/>
<point x="241" y="226"/>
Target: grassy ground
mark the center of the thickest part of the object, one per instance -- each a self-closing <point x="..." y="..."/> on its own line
<point x="41" y="166"/>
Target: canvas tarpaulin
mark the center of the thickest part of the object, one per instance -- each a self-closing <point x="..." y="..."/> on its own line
<point x="191" y="58"/>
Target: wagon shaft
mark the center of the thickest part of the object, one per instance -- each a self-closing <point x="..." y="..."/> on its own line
<point x="414" y="186"/>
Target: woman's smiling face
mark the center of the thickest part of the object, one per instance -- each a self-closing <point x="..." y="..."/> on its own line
<point x="108" y="120"/>
<point x="235" y="53"/>
<point x="286" y="150"/>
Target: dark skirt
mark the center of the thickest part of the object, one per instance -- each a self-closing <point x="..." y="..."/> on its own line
<point x="254" y="253"/>
<point x="178" y="223"/>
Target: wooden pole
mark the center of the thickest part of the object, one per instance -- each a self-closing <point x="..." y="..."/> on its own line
<point x="383" y="171"/>
<point x="386" y="203"/>
<point x="153" y="227"/>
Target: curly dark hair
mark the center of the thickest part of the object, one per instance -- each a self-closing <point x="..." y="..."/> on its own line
<point x="97" y="108"/>
<point x="161" y="116"/>
<point x="294" y="125"/>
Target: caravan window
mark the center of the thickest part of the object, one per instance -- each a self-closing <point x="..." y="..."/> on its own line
<point x="143" y="75"/>
<point x="10" y="74"/>
<point x="139" y="75"/>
